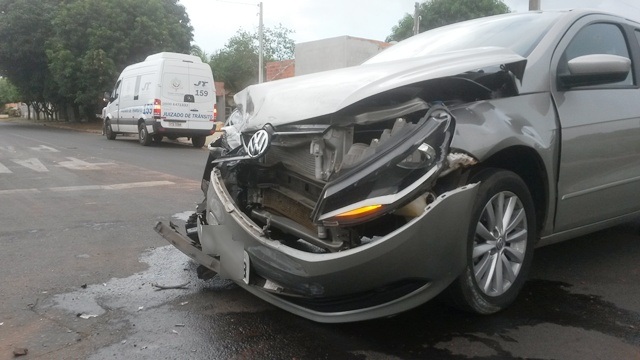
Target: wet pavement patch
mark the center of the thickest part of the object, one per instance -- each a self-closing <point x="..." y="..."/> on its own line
<point x="545" y="309"/>
<point x="217" y="319"/>
<point x="548" y="321"/>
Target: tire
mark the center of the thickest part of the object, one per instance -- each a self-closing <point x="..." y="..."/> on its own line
<point x="198" y="141"/>
<point x="143" y="135"/>
<point x="483" y="287"/>
<point x="157" y="138"/>
<point x="108" y="131"/>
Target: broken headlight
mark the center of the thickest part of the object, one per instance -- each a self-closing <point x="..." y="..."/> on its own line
<point x="402" y="168"/>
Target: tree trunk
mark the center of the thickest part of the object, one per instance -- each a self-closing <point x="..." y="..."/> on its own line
<point x="28" y="110"/>
<point x="36" y="110"/>
<point x="65" y="109"/>
<point x="76" y="112"/>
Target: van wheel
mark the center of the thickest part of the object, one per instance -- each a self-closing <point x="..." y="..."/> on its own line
<point x="500" y="244"/>
<point x="108" y="131"/>
<point x="198" y="141"/>
<point x="157" y="138"/>
<point x="143" y="135"/>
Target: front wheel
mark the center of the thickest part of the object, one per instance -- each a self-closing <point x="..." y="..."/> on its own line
<point x="143" y="135"/>
<point x="500" y="244"/>
<point x="108" y="131"/>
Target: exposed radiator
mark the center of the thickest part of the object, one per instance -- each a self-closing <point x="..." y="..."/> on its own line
<point x="288" y="207"/>
<point x="297" y="159"/>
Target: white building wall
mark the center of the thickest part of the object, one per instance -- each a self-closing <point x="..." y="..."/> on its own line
<point x="334" y="53"/>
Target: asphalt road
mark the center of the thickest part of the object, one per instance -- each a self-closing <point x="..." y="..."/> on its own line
<point x="79" y="257"/>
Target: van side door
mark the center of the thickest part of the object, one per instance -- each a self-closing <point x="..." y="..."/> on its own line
<point x="128" y="120"/>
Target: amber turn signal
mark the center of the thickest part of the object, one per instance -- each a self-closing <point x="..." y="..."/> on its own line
<point x="365" y="210"/>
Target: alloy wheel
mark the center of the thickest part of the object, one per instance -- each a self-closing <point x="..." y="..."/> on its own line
<point x="500" y="243"/>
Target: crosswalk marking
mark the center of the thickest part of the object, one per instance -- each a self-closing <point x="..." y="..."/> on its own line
<point x="18" y="191"/>
<point x="123" y="186"/>
<point x="4" y="169"/>
<point x="71" y="163"/>
<point x="32" y="163"/>
<point x="44" y="148"/>
<point x="77" y="164"/>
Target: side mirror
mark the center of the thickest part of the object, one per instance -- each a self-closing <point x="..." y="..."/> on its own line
<point x="596" y="69"/>
<point x="106" y="96"/>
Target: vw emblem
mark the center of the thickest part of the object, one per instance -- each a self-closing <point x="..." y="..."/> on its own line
<point x="258" y="144"/>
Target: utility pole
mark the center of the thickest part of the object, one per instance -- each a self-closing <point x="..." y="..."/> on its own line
<point x="416" y="18"/>
<point x="260" y="40"/>
<point x="534" y="5"/>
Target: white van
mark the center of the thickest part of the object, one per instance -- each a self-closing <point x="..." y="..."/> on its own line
<point x="168" y="94"/>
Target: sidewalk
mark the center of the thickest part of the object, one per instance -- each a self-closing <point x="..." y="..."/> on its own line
<point x="91" y="126"/>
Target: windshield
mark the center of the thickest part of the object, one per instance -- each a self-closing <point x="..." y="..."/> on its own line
<point x="518" y="32"/>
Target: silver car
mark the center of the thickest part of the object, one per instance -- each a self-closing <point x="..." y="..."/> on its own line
<point x="436" y="166"/>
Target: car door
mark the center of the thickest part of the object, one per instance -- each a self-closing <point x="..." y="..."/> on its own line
<point x="599" y="168"/>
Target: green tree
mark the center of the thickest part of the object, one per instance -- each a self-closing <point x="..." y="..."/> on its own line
<point x="199" y="52"/>
<point x="25" y="27"/>
<point x="237" y="63"/>
<point x="8" y="93"/>
<point x="95" y="39"/>
<point x="277" y="43"/>
<point x="436" y="13"/>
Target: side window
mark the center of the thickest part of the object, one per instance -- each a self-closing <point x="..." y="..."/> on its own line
<point x="136" y="91"/>
<point x="593" y="39"/>
<point x="116" y="90"/>
<point x="128" y="85"/>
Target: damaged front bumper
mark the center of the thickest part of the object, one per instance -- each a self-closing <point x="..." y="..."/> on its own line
<point x="389" y="275"/>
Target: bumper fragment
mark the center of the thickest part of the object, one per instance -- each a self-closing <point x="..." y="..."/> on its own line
<point x="402" y="270"/>
<point x="185" y="245"/>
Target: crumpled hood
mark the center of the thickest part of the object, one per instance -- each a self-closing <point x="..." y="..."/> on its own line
<point x="309" y="96"/>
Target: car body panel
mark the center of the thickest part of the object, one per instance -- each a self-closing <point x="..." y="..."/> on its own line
<point x="402" y="253"/>
<point x="349" y="85"/>
<point x="599" y="164"/>
<point x="488" y="127"/>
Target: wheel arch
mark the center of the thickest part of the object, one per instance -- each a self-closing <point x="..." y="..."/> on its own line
<point x="528" y="165"/>
<point x="108" y="119"/>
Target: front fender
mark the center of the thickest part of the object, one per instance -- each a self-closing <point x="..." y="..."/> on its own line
<point x="486" y="128"/>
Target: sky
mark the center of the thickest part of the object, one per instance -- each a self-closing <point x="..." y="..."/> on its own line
<point x="215" y="21"/>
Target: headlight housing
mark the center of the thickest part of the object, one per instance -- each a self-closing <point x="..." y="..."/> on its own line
<point x="403" y="167"/>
